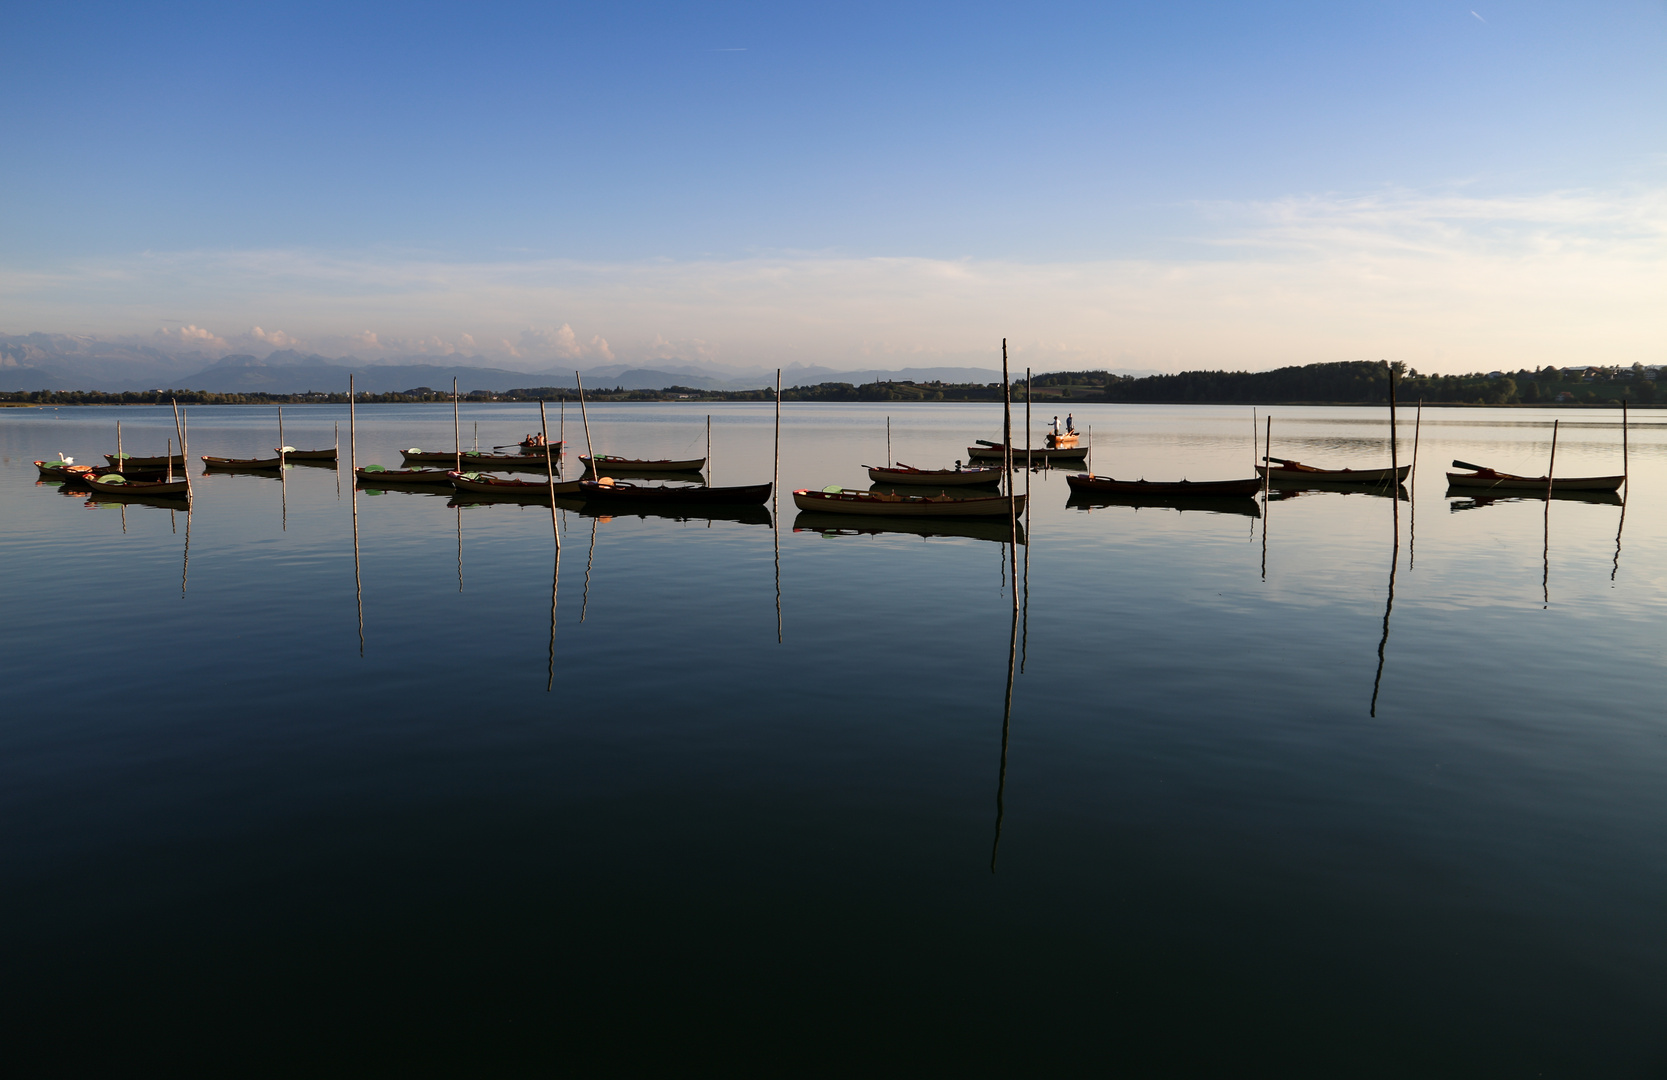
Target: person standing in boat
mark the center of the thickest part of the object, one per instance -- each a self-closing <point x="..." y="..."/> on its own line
<point x="1053" y="429"/>
<point x="1070" y="424"/>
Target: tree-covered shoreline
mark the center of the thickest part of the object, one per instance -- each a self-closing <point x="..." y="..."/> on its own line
<point x="1348" y="383"/>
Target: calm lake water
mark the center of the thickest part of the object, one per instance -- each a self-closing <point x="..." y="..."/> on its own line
<point x="1275" y="793"/>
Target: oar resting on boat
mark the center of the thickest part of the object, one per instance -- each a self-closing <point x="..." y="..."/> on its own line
<point x="1284" y="469"/>
<point x="1481" y="476"/>
<point x="956" y="477"/>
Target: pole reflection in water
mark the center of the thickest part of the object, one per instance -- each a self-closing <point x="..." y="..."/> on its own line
<point x="1616" y="568"/>
<point x="584" y="600"/>
<point x="555" y="579"/>
<point x="185" y="567"/>
<point x="353" y="498"/>
<point x="775" y="504"/>
<point x="1006" y="727"/>
<point x="1267" y="488"/>
<point x="460" y="548"/>
<point x="1389" y="605"/>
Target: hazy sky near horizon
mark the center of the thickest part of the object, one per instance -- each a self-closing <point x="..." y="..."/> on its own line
<point x="1134" y="185"/>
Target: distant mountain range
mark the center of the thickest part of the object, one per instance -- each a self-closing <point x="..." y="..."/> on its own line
<point x="73" y="362"/>
<point x="69" y="362"/>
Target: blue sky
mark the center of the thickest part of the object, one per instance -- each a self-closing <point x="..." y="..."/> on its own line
<point x="635" y="174"/>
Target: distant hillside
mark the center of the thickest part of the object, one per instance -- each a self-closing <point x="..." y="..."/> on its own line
<point x="294" y="373"/>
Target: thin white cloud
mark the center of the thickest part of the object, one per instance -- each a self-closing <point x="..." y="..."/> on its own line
<point x="1447" y="281"/>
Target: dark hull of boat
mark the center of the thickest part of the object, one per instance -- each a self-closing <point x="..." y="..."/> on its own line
<point x="1506" y="482"/>
<point x="679" y="496"/>
<point x="1209" y="504"/>
<point x="1105" y="485"/>
<point x="178" y="488"/>
<point x="516" y="489"/>
<point x="995" y="531"/>
<point x="906" y="506"/>
<point x="312" y="455"/>
<point x="160" y="461"/>
<point x="429" y="457"/>
<point x="939" y="478"/>
<point x="247" y="464"/>
<point x="1280" y="476"/>
<point x="441" y="477"/>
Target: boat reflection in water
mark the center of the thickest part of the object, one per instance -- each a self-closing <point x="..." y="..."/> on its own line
<point x="385" y="487"/>
<point x="1206" y="503"/>
<point x="997" y="530"/>
<point x="1467" y="499"/>
<point x="1380" y="491"/>
<point x="743" y="514"/>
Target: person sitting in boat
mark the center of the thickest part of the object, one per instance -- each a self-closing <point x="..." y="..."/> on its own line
<point x="957" y="464"/>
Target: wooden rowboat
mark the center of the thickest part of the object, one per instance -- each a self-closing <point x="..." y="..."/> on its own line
<point x="62" y="470"/>
<point x="1285" y="473"/>
<point x="432" y="457"/>
<point x="608" y="463"/>
<point x="1038" y="454"/>
<point x="907" y="474"/>
<point x="327" y="454"/>
<point x="119" y="485"/>
<point x="1498" y="481"/>
<point x="840" y="501"/>
<point x="370" y="473"/>
<point x="158" y="462"/>
<point x="497" y="485"/>
<point x="1105" y="485"/>
<point x="242" y="463"/>
<point x="609" y="490"/>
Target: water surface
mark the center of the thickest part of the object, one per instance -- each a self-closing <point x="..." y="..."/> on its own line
<point x="1338" y="785"/>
